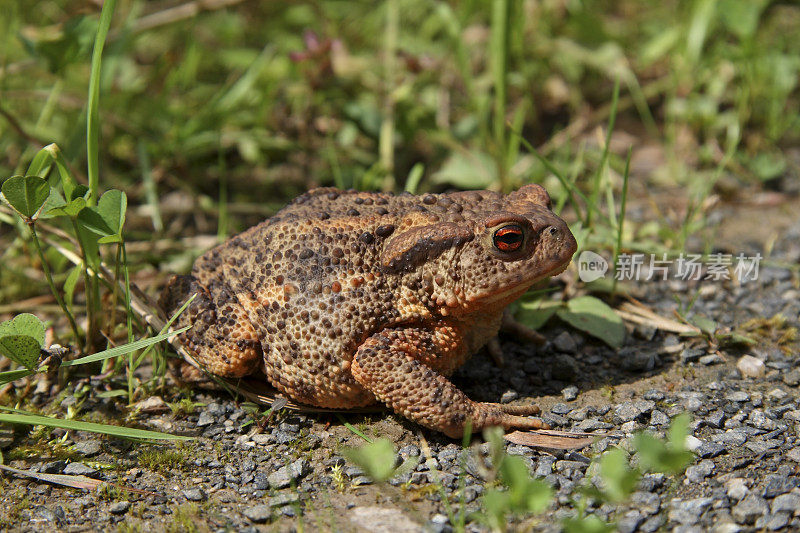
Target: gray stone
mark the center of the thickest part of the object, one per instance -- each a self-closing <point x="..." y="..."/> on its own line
<point x="690" y="355"/>
<point x="438" y="524"/>
<point x="738" y="396"/>
<point x="715" y="419"/>
<point x="560" y="409"/>
<point x="658" y="418"/>
<point x="726" y="527"/>
<point x="698" y="472"/>
<point x="646" y="502"/>
<point x="563" y="367"/>
<point x="87" y="447"/>
<point x="773" y="522"/>
<point x="53" y="467"/>
<point x="711" y="359"/>
<point x="750" y="509"/>
<point x="751" y="367"/>
<point x="565" y="343"/>
<point x="570" y="393"/>
<point x="654" y="395"/>
<point x="629" y="521"/>
<point x="777" y="394"/>
<point x="632" y="410"/>
<point x="284" y="476"/>
<point x="258" y="513"/>
<point x="641" y="360"/>
<point x="381" y="520"/>
<point x="794" y="454"/>
<point x="79" y="469"/>
<point x="592" y="424"/>
<point x="730" y="438"/>
<point x="760" y="420"/>
<point x="708" y="450"/>
<point x="410" y="450"/>
<point x="55" y="515"/>
<point x="119" y="507"/>
<point x="205" y="419"/>
<point x="509" y="396"/>
<point x="284" y="498"/>
<point x="789" y="503"/>
<point x="777" y="484"/>
<point x="195" y="494"/>
<point x="792" y="377"/>
<point x="652" y="524"/>
<point x="688" y="512"/>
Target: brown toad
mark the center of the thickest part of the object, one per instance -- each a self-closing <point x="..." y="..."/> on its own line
<point x="344" y="298"/>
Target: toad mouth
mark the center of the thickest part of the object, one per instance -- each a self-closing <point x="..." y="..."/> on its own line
<point x="517" y="289"/>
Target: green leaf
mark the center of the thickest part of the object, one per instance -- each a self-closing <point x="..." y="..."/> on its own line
<point x="21" y="349"/>
<point x="670" y="457"/>
<point x="376" y="459"/>
<point x="741" y="16"/>
<point x="40" y="164"/>
<point x="24" y="324"/>
<point x="536" y="313"/>
<point x="71" y="282"/>
<point x="525" y="495"/>
<point x="594" y="317"/>
<point x="88" y="243"/>
<point x="112" y="206"/>
<point x="20" y="417"/>
<point x="70" y="209"/>
<point x="21" y="339"/>
<point x="107" y="217"/>
<point x="26" y="194"/>
<point x="705" y="324"/>
<point x="79" y="191"/>
<point x="619" y="480"/>
<point x="473" y="170"/>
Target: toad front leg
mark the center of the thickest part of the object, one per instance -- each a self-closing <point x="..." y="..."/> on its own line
<point x="405" y="368"/>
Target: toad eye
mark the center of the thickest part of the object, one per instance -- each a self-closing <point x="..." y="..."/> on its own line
<point x="508" y="238"/>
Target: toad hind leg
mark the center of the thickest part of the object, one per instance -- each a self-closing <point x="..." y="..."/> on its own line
<point x="392" y="366"/>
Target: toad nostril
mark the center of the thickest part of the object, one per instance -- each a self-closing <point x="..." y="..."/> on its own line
<point x="552" y="230"/>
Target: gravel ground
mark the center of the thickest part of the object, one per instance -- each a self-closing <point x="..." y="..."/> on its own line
<point x="291" y="473"/>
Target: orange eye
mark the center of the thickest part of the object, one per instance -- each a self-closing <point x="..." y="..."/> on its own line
<point x="508" y="238"/>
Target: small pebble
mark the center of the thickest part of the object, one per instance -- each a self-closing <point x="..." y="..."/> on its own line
<point x="119" y="507"/>
<point x="258" y="513"/>
<point x="751" y="367"/>
<point x="570" y="393"/>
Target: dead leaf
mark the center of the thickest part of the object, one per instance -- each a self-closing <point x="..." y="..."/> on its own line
<point x="549" y="439"/>
<point x="76" y="482"/>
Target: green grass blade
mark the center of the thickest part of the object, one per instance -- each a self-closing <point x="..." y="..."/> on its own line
<point x="352" y="428"/>
<point x="19" y="417"/>
<point x="594" y="204"/>
<point x="13" y="375"/>
<point x="93" y="112"/>
<point x="498" y="51"/>
<point x="124" y="349"/>
<point x="621" y="220"/>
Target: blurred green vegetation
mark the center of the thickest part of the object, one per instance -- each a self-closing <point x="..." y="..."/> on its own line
<point x="218" y="112"/>
<point x="281" y="96"/>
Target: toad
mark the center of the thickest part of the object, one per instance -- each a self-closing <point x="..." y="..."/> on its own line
<point x="346" y="298"/>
